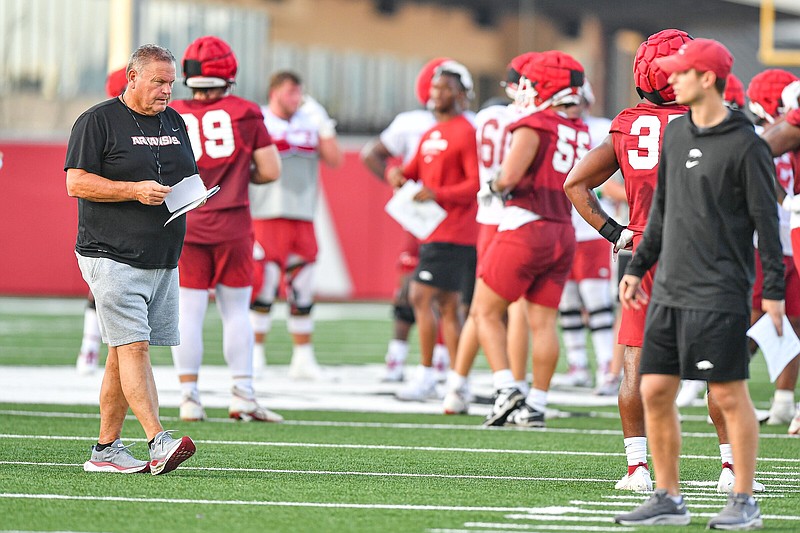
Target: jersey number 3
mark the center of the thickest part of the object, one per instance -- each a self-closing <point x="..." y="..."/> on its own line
<point x="650" y="143"/>
<point x="216" y="128"/>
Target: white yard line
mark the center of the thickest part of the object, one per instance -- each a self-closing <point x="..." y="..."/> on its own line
<point x="386" y="447"/>
<point x="340" y="473"/>
<point x="558" y="527"/>
<point x="262" y="503"/>
<point x="381" y="425"/>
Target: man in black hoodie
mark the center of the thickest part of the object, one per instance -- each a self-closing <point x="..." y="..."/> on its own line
<point x="715" y="187"/>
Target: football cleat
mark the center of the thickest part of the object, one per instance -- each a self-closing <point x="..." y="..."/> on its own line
<point x="780" y="413"/>
<point x="421" y="388"/>
<point x="727" y="480"/>
<point x="576" y="376"/>
<point x="526" y="416"/>
<point x="191" y="408"/>
<point x="86" y="364"/>
<point x="794" y="427"/>
<point x="639" y="480"/>
<point x="244" y="407"/>
<point x="506" y="401"/>
<point x="456" y="402"/>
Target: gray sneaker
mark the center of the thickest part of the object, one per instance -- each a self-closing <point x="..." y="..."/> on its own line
<point x="659" y="509"/>
<point x="167" y="453"/>
<point x="117" y="459"/>
<point x="738" y="515"/>
<point x="505" y="402"/>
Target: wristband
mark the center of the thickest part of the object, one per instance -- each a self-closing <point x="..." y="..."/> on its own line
<point x="611" y="230"/>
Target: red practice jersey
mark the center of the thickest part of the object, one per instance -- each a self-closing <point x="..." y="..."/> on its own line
<point x="637" y="134"/>
<point x="562" y="142"/>
<point x="447" y="163"/>
<point x="224" y="134"/>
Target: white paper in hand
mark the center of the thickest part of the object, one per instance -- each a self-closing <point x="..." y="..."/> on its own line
<point x="778" y="351"/>
<point x="418" y="218"/>
<point x="186" y="195"/>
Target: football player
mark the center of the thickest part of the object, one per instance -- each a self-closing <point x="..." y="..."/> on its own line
<point x="283" y="214"/>
<point x="446" y="165"/>
<point x="228" y="136"/>
<point x="531" y="254"/>
<point x="493" y="139"/>
<point x="765" y="102"/>
<point x="399" y="141"/>
<point x="634" y="147"/>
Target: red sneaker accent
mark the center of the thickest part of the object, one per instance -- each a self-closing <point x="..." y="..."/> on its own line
<point x="727" y="465"/>
<point x="632" y="468"/>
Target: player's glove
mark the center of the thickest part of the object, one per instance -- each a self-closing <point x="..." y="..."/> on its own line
<point x="791" y="203"/>
<point x="326" y="126"/>
<point x="618" y="235"/>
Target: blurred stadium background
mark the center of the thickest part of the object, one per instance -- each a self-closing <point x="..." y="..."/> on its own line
<point x="358" y="57"/>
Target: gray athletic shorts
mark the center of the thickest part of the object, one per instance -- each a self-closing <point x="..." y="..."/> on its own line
<point x="133" y="304"/>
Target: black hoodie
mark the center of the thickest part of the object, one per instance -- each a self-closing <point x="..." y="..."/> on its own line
<point x="715" y="187"/>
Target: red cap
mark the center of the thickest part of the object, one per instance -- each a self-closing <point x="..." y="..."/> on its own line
<point x="700" y="54"/>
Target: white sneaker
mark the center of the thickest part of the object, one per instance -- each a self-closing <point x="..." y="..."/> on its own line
<point x="576" y="376"/>
<point x="780" y="413"/>
<point x="191" y="408"/>
<point x="244" y="407"/>
<point x="794" y="427"/>
<point x="395" y="369"/>
<point x="608" y="385"/>
<point x="421" y="388"/>
<point x="441" y="362"/>
<point x="638" y="481"/>
<point x="304" y="366"/>
<point x="727" y="479"/>
<point x="456" y="402"/>
<point x="690" y="390"/>
<point x="86" y="364"/>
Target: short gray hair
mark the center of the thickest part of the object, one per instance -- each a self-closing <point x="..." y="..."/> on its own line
<point x="146" y="54"/>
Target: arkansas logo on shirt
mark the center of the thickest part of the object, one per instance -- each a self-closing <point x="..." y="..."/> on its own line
<point x="433" y="146"/>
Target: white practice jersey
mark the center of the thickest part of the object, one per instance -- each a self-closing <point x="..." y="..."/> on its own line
<point x="294" y="194"/>
<point x="494" y="140"/>
<point x="598" y="131"/>
<point x="402" y="136"/>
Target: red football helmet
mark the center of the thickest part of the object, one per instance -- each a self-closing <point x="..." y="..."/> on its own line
<point x="734" y="92"/>
<point x="548" y="79"/>
<point x="425" y="77"/>
<point x="209" y="62"/>
<point x="116" y="82"/>
<point x="511" y="82"/>
<point x="764" y="93"/>
<point x="650" y="81"/>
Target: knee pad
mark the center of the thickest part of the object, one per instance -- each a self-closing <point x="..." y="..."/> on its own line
<point x="571" y="320"/>
<point x="404" y="313"/>
<point x="300" y="284"/>
<point x="600" y="319"/>
<point x="261" y="306"/>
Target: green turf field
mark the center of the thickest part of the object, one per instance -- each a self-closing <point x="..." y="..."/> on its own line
<point x="343" y="471"/>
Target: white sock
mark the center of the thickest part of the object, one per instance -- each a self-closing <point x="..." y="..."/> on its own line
<point x="245" y="385"/>
<point x="502" y="379"/>
<point x="523" y="386"/>
<point x="188" y="388"/>
<point x="677" y="499"/>
<point x="537" y="399"/>
<point x="726" y="453"/>
<point x="636" y="450"/>
<point x="398" y="350"/>
<point x="455" y="380"/>
<point x="305" y="351"/>
<point x="783" y="396"/>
